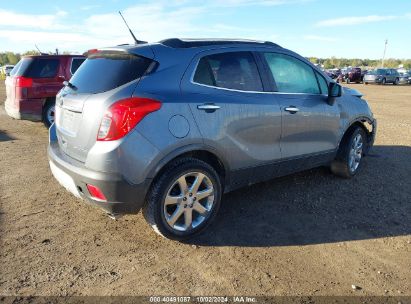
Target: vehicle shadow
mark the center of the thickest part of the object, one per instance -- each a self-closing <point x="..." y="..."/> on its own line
<point x="5" y="137"/>
<point x="315" y="207"/>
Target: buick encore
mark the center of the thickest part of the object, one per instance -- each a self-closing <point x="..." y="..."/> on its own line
<point x="168" y="127"/>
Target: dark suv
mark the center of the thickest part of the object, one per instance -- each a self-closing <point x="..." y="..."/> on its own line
<point x="354" y="75"/>
<point x="382" y="76"/>
<point x="34" y="82"/>
<point x="169" y="127"/>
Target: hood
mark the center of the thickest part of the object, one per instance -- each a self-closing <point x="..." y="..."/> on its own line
<point x="352" y="92"/>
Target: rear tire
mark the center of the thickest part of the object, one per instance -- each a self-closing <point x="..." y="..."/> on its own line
<point x="350" y="153"/>
<point x="48" y="113"/>
<point x="173" y="206"/>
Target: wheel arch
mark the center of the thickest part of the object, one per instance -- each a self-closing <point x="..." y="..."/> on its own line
<point x="367" y="124"/>
<point x="201" y="152"/>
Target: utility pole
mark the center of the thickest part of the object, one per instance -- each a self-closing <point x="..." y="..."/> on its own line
<point x="383" y="56"/>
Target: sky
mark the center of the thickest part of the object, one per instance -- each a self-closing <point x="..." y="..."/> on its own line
<point x="318" y="28"/>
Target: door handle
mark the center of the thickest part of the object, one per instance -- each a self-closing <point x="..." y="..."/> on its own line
<point x="292" y="109"/>
<point x="208" y="107"/>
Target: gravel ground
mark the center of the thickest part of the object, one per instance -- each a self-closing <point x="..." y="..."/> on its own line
<point x="306" y="234"/>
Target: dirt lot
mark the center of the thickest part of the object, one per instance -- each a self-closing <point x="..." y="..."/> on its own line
<point x="306" y="234"/>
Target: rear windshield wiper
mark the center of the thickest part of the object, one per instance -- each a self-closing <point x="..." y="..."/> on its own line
<point x="70" y="85"/>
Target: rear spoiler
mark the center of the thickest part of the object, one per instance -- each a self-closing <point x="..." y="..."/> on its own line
<point x="141" y="50"/>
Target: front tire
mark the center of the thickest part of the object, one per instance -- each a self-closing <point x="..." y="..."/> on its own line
<point x="49" y="113"/>
<point x="396" y="81"/>
<point x="350" y="154"/>
<point x="184" y="200"/>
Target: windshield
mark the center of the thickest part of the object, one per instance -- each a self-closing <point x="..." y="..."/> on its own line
<point x="107" y="70"/>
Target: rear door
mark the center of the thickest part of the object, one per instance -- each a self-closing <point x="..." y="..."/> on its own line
<point x="309" y="125"/>
<point x="234" y="113"/>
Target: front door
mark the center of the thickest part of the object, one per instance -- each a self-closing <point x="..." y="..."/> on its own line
<point x="307" y="128"/>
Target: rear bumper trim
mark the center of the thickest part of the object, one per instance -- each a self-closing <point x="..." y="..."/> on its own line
<point x="24" y="111"/>
<point x="122" y="197"/>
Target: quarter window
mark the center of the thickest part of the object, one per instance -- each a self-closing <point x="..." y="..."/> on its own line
<point x="292" y="75"/>
<point x="233" y="70"/>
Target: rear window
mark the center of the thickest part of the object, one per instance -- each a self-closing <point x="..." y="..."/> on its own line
<point x="108" y="70"/>
<point x="42" y="68"/>
<point x="75" y="64"/>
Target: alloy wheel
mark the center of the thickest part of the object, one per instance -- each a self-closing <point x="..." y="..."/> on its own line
<point x="189" y="201"/>
<point x="50" y="114"/>
<point x="355" y="153"/>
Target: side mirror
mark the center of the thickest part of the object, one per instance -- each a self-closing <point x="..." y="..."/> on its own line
<point x="334" y="91"/>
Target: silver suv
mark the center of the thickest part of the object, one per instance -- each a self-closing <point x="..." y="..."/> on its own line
<point x="169" y="127"/>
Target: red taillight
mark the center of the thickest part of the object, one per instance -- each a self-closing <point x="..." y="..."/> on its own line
<point x="95" y="192"/>
<point x="23" y="82"/>
<point x="124" y="115"/>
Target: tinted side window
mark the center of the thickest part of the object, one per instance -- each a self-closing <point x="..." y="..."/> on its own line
<point x="234" y="70"/>
<point x="292" y="75"/>
<point x="323" y="83"/>
<point x="43" y="68"/>
<point x="76" y="62"/>
<point x="21" y="67"/>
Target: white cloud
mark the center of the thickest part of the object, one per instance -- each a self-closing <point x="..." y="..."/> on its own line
<point x="320" y="38"/>
<point x="347" y="21"/>
<point x="44" y="21"/>
<point x="150" y="21"/>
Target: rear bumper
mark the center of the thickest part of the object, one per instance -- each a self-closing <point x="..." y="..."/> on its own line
<point x="28" y="109"/>
<point x="122" y="196"/>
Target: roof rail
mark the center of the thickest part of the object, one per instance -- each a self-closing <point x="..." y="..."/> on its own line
<point x="190" y="43"/>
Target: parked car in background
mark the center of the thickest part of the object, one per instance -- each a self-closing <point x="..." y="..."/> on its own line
<point x="333" y="73"/>
<point x="34" y="82"/>
<point x="363" y="72"/>
<point x="6" y="69"/>
<point x="353" y="75"/>
<point x="169" y="127"/>
<point x="405" y="77"/>
<point x="382" y="76"/>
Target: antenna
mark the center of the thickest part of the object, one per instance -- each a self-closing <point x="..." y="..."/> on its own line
<point x="385" y="50"/>
<point x="131" y="32"/>
<point x="38" y="48"/>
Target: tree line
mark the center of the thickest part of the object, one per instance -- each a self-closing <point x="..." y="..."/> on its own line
<point x="333" y="62"/>
<point x="13" y="58"/>
<point x="328" y="63"/>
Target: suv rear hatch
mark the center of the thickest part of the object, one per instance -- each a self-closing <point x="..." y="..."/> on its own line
<point x="105" y="77"/>
<point x="34" y="77"/>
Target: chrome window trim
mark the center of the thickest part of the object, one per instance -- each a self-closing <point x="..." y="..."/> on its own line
<point x="241" y="91"/>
